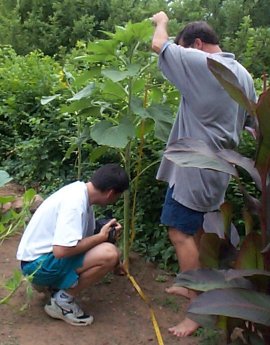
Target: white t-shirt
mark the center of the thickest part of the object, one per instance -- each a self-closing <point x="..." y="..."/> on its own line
<point x="62" y="219"/>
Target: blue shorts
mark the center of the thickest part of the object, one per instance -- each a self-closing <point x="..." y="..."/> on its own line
<point x="53" y="272"/>
<point x="178" y="216"/>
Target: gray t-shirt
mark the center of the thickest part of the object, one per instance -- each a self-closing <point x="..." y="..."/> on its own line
<point x="206" y="113"/>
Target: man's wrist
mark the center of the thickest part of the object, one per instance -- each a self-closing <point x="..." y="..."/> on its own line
<point x="162" y="24"/>
<point x="102" y="237"/>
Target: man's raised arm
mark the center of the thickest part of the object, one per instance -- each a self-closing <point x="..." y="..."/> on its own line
<point x="160" y="19"/>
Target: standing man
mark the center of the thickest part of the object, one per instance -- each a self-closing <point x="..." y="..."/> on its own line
<point x="206" y="113"/>
<point x="59" y="246"/>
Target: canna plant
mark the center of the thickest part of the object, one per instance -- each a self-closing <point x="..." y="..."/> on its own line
<point x="234" y="286"/>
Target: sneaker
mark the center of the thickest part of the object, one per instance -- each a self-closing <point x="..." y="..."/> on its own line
<point x="70" y="312"/>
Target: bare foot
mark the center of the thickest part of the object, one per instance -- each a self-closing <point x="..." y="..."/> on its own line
<point x="180" y="291"/>
<point x="184" y="328"/>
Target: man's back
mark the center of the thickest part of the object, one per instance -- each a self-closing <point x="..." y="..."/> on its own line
<point x="61" y="219"/>
<point x="207" y="112"/>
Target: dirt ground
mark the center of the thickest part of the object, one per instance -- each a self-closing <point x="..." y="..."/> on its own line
<point x="121" y="316"/>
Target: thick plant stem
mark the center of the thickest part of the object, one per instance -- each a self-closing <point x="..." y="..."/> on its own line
<point x="138" y="169"/>
<point x="127" y="193"/>
<point x="127" y="210"/>
<point x="79" y="160"/>
<point x="263" y="211"/>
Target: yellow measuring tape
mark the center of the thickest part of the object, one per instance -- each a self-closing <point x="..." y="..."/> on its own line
<point x="153" y="318"/>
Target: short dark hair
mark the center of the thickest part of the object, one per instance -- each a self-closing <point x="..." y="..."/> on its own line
<point x="110" y="176"/>
<point x="194" y="30"/>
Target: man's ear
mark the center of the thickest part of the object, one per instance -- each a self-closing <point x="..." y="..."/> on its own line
<point x="198" y="44"/>
<point x="110" y="192"/>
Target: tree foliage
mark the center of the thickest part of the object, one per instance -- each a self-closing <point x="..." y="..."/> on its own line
<point x="49" y="25"/>
<point x="55" y="26"/>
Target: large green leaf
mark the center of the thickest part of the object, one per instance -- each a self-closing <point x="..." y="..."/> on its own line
<point x="259" y="278"/>
<point x="209" y="279"/>
<point x="83" y="136"/>
<point x="161" y="114"/>
<point x="252" y="204"/>
<point x="209" y="250"/>
<point x="113" y="90"/>
<point x="85" y="92"/>
<point x="208" y="321"/>
<point x="138" y="32"/>
<point x="236" y="158"/>
<point x="82" y="79"/>
<point x="234" y="302"/>
<point x="97" y="152"/>
<point x="4" y="178"/>
<point x="216" y="250"/>
<point x="102" y="48"/>
<point x="4" y="199"/>
<point x="28" y="196"/>
<point x="227" y="213"/>
<point x="76" y="106"/>
<point x="104" y="133"/>
<point x="189" y="152"/>
<point x="138" y="85"/>
<point x="47" y="99"/>
<point x="138" y="108"/>
<point x="250" y="256"/>
<point x="162" y="130"/>
<point x="117" y="75"/>
<point x="97" y="58"/>
<point x="231" y="84"/>
<point x="221" y="223"/>
<point x="254" y="275"/>
<point x="263" y="114"/>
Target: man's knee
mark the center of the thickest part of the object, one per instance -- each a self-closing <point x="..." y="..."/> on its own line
<point x="177" y="236"/>
<point x="103" y="255"/>
<point x="111" y="254"/>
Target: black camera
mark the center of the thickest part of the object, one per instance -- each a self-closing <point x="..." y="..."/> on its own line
<point x="112" y="234"/>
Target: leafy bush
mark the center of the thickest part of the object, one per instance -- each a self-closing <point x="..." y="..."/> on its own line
<point x="34" y="138"/>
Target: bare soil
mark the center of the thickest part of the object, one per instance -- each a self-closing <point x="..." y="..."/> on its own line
<point x="121" y="316"/>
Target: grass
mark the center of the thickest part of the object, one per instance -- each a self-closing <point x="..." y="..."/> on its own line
<point x="170" y="303"/>
<point x="209" y="336"/>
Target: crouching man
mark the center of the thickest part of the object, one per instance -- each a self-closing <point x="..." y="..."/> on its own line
<point x="59" y="245"/>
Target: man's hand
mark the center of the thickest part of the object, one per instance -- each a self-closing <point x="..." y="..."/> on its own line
<point x="160" y="18"/>
<point x="88" y="242"/>
<point x="104" y="232"/>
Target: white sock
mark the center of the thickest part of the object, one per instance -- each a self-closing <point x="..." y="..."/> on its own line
<point x="63" y="296"/>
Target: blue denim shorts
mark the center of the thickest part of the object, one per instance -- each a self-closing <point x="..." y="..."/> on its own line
<point x="53" y="272"/>
<point x="178" y="216"/>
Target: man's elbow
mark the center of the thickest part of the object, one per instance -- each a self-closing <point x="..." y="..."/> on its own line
<point x="59" y="252"/>
<point x="156" y="47"/>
